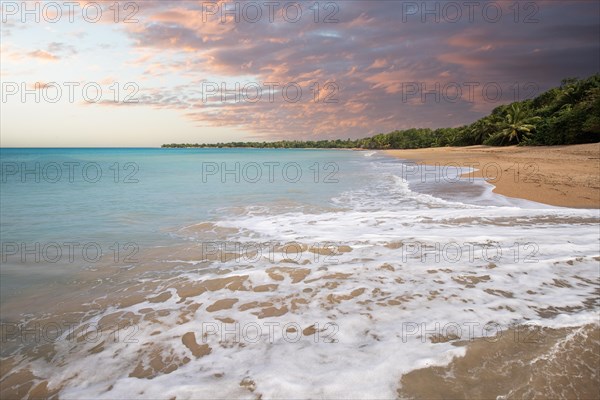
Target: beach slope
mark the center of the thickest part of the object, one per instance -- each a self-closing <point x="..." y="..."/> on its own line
<point x="567" y="176"/>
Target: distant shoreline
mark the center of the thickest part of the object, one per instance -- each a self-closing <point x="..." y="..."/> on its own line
<point x="272" y="148"/>
<point x="566" y="176"/>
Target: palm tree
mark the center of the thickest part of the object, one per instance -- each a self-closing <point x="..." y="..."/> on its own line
<point x="517" y="124"/>
<point x="481" y="130"/>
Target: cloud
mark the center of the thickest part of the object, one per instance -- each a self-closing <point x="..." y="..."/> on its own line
<point x="57" y="47"/>
<point x="371" y="54"/>
<point x="41" y="85"/>
<point x="43" y="55"/>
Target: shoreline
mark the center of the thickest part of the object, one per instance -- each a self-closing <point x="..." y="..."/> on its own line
<point x="565" y="176"/>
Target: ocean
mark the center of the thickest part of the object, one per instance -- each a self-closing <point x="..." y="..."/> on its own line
<point x="284" y="273"/>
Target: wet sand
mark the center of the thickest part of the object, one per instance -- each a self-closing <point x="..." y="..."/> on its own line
<point x="527" y="362"/>
<point x="566" y="176"/>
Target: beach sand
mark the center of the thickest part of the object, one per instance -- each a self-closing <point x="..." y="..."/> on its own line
<point x="567" y="176"/>
<point x="527" y="361"/>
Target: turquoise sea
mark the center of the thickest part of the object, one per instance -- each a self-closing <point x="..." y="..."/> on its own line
<point x="221" y="273"/>
<point x="117" y="197"/>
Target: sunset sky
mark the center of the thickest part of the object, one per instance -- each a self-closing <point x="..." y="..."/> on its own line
<point x="367" y="58"/>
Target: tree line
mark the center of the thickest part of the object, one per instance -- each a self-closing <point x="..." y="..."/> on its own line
<point x="568" y="114"/>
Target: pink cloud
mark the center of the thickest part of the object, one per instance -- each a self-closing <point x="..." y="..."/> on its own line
<point x="43" y="55"/>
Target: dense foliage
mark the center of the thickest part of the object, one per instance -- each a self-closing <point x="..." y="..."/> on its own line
<point x="568" y="114"/>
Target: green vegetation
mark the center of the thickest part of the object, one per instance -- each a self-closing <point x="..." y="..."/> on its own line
<point x="569" y="114"/>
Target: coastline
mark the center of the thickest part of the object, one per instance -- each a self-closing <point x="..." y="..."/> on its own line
<point x="247" y="279"/>
<point x="565" y="176"/>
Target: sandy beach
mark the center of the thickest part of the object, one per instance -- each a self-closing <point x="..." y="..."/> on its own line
<point x="567" y="176"/>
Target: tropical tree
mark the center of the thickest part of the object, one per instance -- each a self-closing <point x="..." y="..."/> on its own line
<point x="516" y="125"/>
<point x="479" y="131"/>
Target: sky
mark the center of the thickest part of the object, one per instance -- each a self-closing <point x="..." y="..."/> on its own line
<point x="144" y="73"/>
